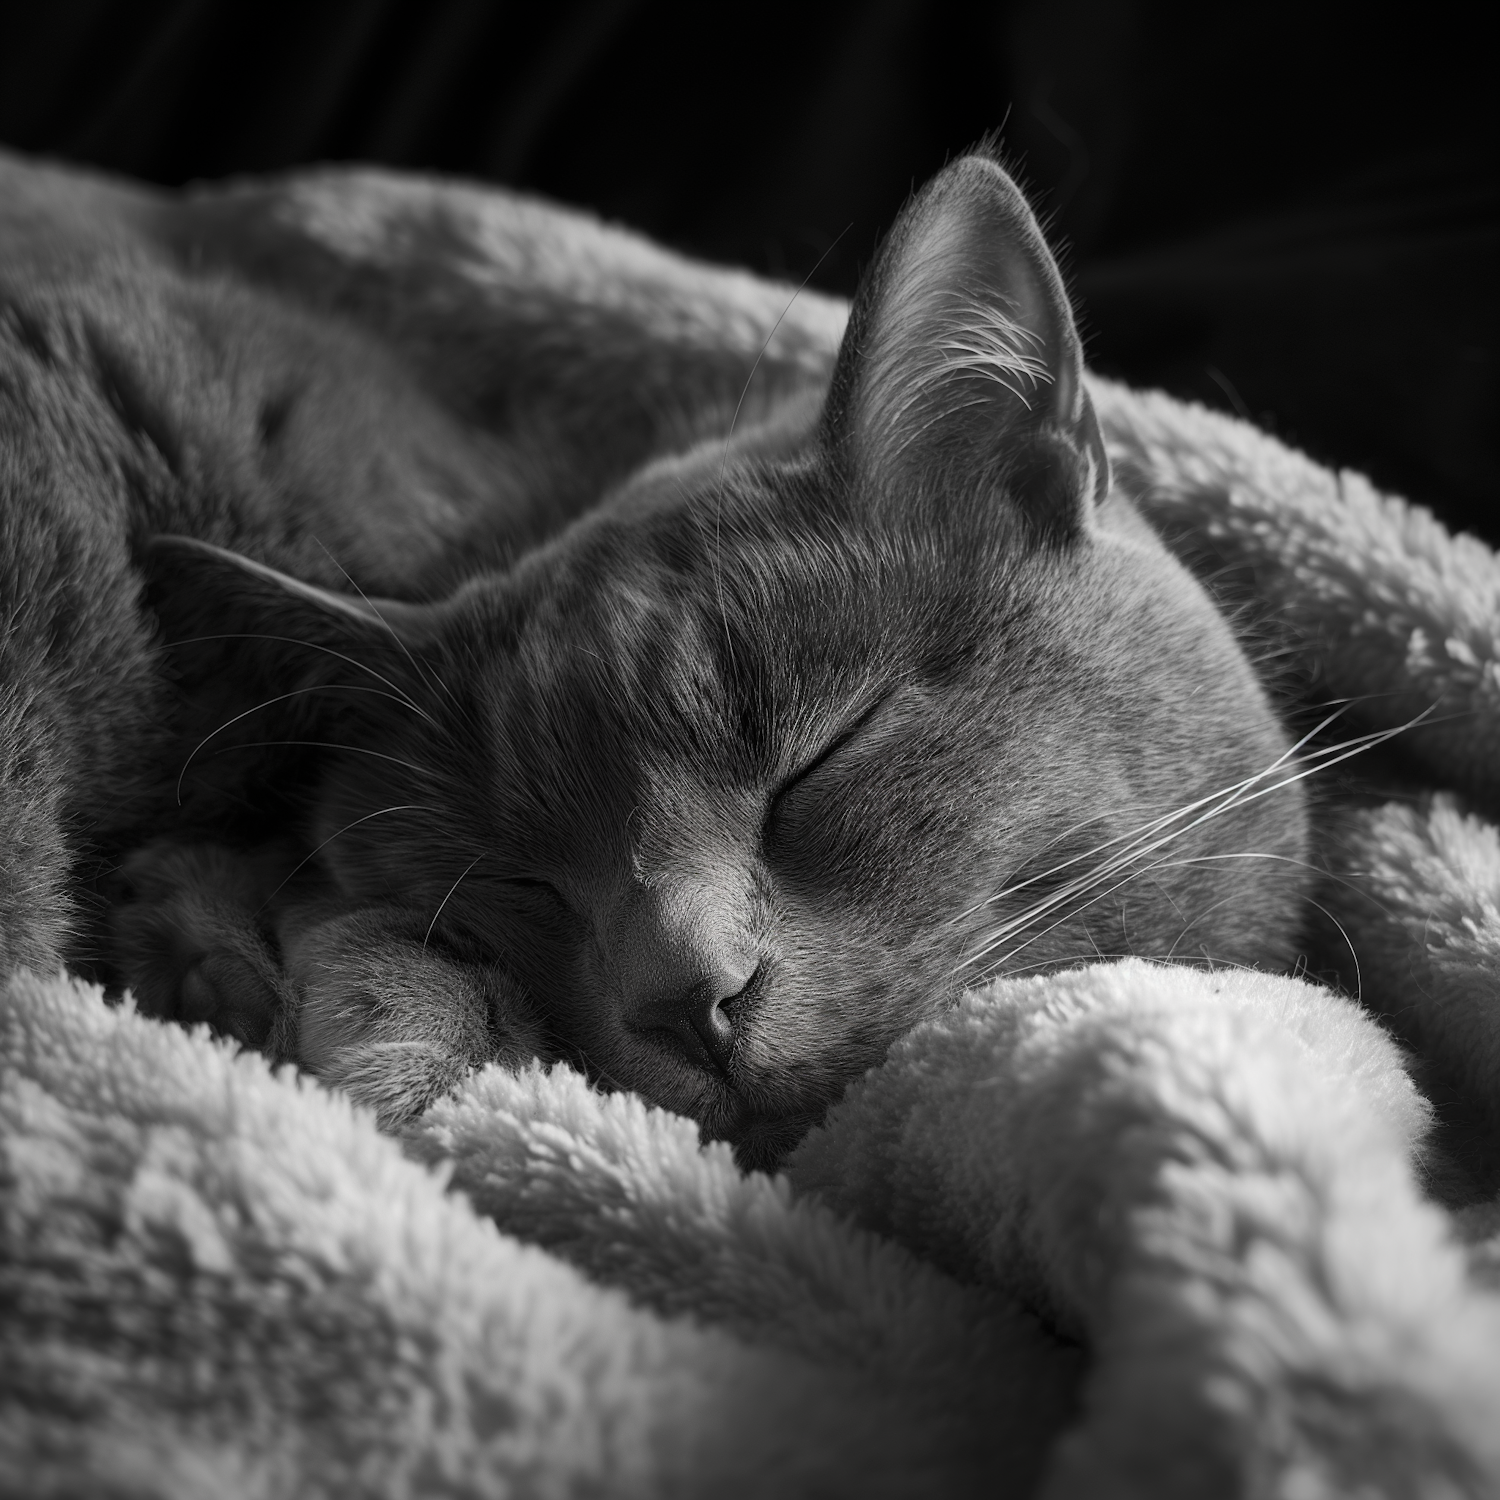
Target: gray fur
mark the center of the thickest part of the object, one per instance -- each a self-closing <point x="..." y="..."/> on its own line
<point x="711" y="751"/>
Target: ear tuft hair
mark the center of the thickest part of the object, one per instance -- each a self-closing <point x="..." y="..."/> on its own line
<point x="962" y="367"/>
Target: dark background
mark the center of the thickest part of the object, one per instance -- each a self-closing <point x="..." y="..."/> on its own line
<point x="1281" y="209"/>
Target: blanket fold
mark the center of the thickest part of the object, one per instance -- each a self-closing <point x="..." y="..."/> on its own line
<point x="219" y="1281"/>
<point x="1219" y="1198"/>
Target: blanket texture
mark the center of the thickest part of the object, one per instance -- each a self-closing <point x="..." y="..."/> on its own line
<point x="1127" y="1230"/>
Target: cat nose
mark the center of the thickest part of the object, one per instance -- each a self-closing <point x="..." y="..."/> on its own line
<point x="697" y="1019"/>
<point x="679" y="965"/>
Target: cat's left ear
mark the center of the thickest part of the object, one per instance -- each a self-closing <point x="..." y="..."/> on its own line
<point x="962" y="369"/>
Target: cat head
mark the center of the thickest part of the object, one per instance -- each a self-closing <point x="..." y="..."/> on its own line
<point x="799" y="734"/>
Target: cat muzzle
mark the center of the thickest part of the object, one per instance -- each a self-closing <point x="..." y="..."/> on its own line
<point x="698" y="1022"/>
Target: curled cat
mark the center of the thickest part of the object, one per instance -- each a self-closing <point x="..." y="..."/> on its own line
<point x="819" y="712"/>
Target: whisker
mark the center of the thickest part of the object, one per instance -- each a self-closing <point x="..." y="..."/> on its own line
<point x="290" y="640"/>
<point x="441" y="904"/>
<point x="1142" y="844"/>
<point x="1123" y="861"/>
<point x="1007" y="889"/>
<point x="395" y="760"/>
<point x="1146" y="829"/>
<point x="321" y="687"/>
<point x="338" y="833"/>
<point x="1359" y="983"/>
<point x="420" y="670"/>
<point x="1013" y="928"/>
<point x="1132" y="839"/>
<point x="1054" y="964"/>
<point x="1130" y="856"/>
<point x="1286" y="859"/>
<point x="1325" y="874"/>
<point x="1188" y="923"/>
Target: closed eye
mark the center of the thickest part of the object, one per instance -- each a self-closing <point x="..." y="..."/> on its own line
<point x="824" y="756"/>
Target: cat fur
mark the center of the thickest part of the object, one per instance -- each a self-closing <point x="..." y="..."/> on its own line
<point x="680" y="709"/>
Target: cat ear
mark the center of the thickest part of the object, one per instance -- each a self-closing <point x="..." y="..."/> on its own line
<point x="962" y="367"/>
<point x="204" y="592"/>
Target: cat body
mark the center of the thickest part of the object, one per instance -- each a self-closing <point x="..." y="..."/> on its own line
<point x="664" y="694"/>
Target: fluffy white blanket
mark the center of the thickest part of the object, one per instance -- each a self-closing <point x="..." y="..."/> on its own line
<point x="1127" y="1230"/>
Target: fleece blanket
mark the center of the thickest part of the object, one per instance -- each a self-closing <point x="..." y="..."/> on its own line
<point x="1127" y="1230"/>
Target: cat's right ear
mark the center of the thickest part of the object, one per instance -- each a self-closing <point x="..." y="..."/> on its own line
<point x="961" y="372"/>
<point x="211" y="597"/>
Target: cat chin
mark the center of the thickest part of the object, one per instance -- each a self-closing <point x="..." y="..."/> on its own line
<point x="763" y="1144"/>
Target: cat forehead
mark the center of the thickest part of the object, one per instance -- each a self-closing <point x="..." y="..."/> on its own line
<point x="712" y="586"/>
<point x="790" y="530"/>
<point x="771" y="642"/>
<point x="714" y="601"/>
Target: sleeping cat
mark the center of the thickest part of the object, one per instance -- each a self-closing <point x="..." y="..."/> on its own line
<point x="816" y="714"/>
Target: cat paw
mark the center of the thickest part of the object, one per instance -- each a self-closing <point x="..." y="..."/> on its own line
<point x="187" y="943"/>
<point x="395" y="1023"/>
